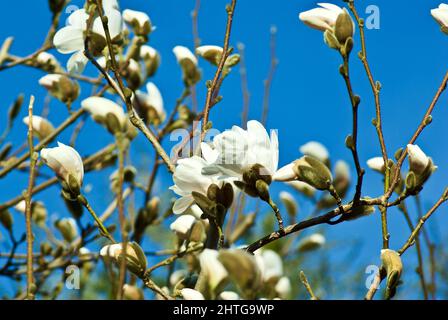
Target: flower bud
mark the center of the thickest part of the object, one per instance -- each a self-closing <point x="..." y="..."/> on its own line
<point x="270" y="264"/>
<point x="47" y="62"/>
<point x="421" y="168"/>
<point x="39" y="213"/>
<point x="289" y="202"/>
<point x="151" y="59"/>
<point x="60" y="87"/>
<point x="243" y="269"/>
<point x="313" y="172"/>
<point x="67" y="164"/>
<point x="441" y="16"/>
<point x="344" y="27"/>
<point x="150" y="105"/>
<point x="182" y="226"/>
<point x="312" y="242"/>
<point x="377" y="164"/>
<point x="283" y="288"/>
<point x="229" y="295"/>
<point x="68" y="229"/>
<point x="6" y="219"/>
<point x="139" y="21"/>
<point x="133" y="75"/>
<point x="212" y="270"/>
<point x="133" y="254"/>
<point x="393" y="267"/>
<point x="341" y="177"/>
<point x="212" y="54"/>
<point x="132" y="292"/>
<point x="188" y="63"/>
<point x="303" y="188"/>
<point x="107" y="113"/>
<point x="359" y="212"/>
<point x="42" y="128"/>
<point x="285" y="173"/>
<point x="190" y="294"/>
<point x="316" y="150"/>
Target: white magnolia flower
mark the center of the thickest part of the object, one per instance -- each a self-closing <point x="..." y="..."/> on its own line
<point x="188" y="177"/>
<point x="150" y="104"/>
<point x="182" y="225"/>
<point x="64" y="161"/>
<point x="238" y="149"/>
<point x="183" y="53"/>
<point x="377" y="164"/>
<point x="316" y="150"/>
<point x="60" y="87"/>
<point x="70" y="39"/>
<point x="190" y="294"/>
<point x="270" y="264"/>
<point x="441" y="15"/>
<point x="418" y="160"/>
<point x="229" y="295"/>
<point x="139" y="20"/>
<point x="283" y="287"/>
<point x="41" y="126"/>
<point x="323" y="18"/>
<point x="68" y="228"/>
<point x="100" y="107"/>
<point x="114" y="251"/>
<point x="212" y="268"/>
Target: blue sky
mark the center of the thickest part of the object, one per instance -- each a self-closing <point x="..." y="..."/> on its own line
<point x="308" y="101"/>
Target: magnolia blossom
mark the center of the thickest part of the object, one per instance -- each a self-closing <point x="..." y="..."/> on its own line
<point x="418" y="160"/>
<point x="190" y="294"/>
<point x="70" y="39"/>
<point x="182" y="225"/>
<point x="41" y="126"/>
<point x="115" y="250"/>
<point x="283" y="287"/>
<point x="45" y="59"/>
<point x="150" y="104"/>
<point x="139" y="20"/>
<point x="441" y="15"/>
<point x="316" y="150"/>
<point x="323" y="18"/>
<point x="377" y="164"/>
<point x="210" y="53"/>
<point x="65" y="162"/>
<point x="270" y="264"/>
<point x="49" y="81"/>
<point x="229" y="295"/>
<point x="212" y="268"/>
<point x="303" y="187"/>
<point x="183" y="53"/>
<point x="151" y="59"/>
<point x="21" y="206"/>
<point x="237" y="150"/>
<point x="68" y="228"/>
<point x="100" y="107"/>
<point x="187" y="178"/>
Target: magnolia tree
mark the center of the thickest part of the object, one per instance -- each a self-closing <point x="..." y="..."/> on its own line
<point x="206" y="235"/>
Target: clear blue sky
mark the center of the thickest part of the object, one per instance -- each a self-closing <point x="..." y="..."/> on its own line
<point x="308" y="102"/>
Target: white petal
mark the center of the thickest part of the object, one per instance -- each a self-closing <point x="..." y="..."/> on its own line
<point x="69" y="39"/>
<point x="77" y="63"/>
